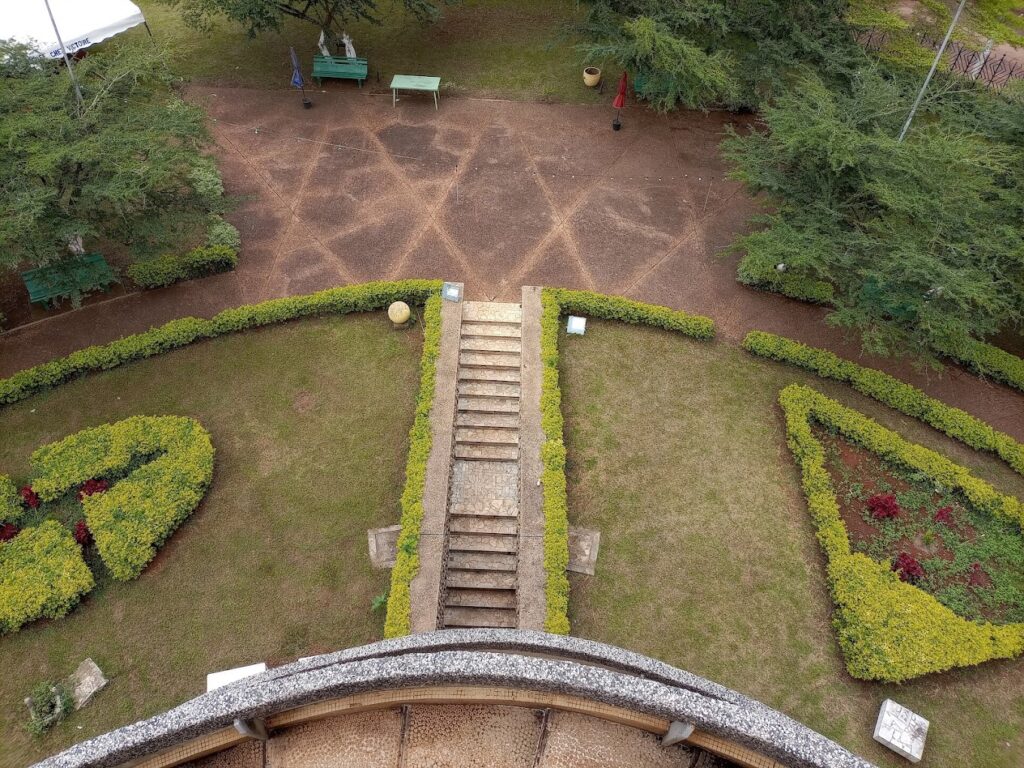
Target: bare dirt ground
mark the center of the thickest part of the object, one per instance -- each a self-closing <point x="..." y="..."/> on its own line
<point x="495" y="194"/>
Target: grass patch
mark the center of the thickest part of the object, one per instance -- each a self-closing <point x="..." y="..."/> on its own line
<point x="311" y="444"/>
<point x="499" y="48"/>
<point x="708" y="559"/>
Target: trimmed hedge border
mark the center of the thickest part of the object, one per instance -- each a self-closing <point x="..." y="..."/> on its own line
<point x="172" y="268"/>
<point x="554" y="303"/>
<point x="984" y="359"/>
<point x="890" y="391"/>
<point x="186" y="330"/>
<point x="407" y="560"/>
<point x="889" y="630"/>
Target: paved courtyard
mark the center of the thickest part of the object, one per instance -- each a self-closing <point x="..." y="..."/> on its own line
<point x="495" y="194"/>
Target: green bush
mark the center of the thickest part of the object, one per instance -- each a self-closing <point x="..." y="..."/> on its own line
<point x="756" y="271"/>
<point x="224" y="234"/>
<point x="629" y="311"/>
<point x="168" y="269"/>
<point x="11" y="509"/>
<point x="407" y="561"/>
<point x="892" y="392"/>
<point x="993" y="362"/>
<point x="889" y="630"/>
<point x="131" y="520"/>
<point x="184" y="331"/>
<point x="42" y="574"/>
<point x="49" y="703"/>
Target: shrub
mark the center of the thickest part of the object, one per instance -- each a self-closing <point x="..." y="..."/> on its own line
<point x="83" y="536"/>
<point x="988" y="360"/>
<point x="890" y="391"/>
<point x="92" y="486"/>
<point x="883" y="506"/>
<point x="630" y="311"/>
<point x="29" y="497"/>
<point x="8" y="531"/>
<point x="221" y="233"/>
<point x="132" y="519"/>
<point x="199" y="262"/>
<point x="42" y="574"/>
<point x="184" y="331"/>
<point x="888" y="630"/>
<point x="758" y="272"/>
<point x="907" y="567"/>
<point x="49" y="703"/>
<point x="407" y="560"/>
<point x="11" y="509"/>
<point x="944" y="516"/>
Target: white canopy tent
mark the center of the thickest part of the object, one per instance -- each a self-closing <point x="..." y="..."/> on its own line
<point x="81" y="22"/>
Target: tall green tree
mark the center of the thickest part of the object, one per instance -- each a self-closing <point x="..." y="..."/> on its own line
<point x="921" y="241"/>
<point x="124" y="165"/>
<point x="266" y="15"/>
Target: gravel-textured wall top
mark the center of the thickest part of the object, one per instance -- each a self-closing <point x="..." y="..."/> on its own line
<point x="505" y="658"/>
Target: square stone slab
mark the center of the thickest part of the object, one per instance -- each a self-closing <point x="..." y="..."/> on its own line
<point x="84" y="682"/>
<point x="901" y="730"/>
<point x="583" y="546"/>
<point x="383" y="543"/>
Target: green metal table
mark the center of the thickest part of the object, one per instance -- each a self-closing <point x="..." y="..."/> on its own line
<point x="414" y="83"/>
<point x="68" y="279"/>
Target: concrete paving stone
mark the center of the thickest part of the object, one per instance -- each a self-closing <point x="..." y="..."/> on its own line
<point x="359" y="740"/>
<point x="439" y="736"/>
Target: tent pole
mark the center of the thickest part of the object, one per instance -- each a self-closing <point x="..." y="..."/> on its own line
<point x="146" y="25"/>
<point x="67" y="59"/>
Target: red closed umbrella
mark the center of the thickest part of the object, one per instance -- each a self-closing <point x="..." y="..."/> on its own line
<point x="620" y="101"/>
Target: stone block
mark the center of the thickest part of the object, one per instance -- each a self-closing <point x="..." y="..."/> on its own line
<point x="901" y="730"/>
<point x="383" y="544"/>
<point x="85" y="682"/>
<point x="583" y="546"/>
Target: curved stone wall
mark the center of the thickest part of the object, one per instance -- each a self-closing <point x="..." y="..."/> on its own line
<point x="502" y="658"/>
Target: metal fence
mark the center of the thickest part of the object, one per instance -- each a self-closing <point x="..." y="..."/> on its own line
<point x="981" y="66"/>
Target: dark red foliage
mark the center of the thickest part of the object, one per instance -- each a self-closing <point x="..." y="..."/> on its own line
<point x="82" y="534"/>
<point x="30" y="497"/>
<point x="883" y="506"/>
<point x="978" y="577"/>
<point x="944" y="515"/>
<point x="89" y="487"/>
<point x="8" y="531"/>
<point x="907" y="567"/>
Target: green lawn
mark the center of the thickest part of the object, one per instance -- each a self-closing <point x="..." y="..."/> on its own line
<point x="310" y="424"/>
<point x="708" y="558"/>
<point x="520" y="49"/>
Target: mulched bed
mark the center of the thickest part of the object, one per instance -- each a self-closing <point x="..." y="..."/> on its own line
<point x="971" y="562"/>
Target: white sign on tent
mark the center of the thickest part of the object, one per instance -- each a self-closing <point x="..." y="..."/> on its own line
<point x="81" y="24"/>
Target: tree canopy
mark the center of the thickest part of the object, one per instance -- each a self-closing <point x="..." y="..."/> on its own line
<point x="124" y="165"/>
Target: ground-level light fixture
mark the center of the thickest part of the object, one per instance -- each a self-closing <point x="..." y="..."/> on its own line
<point x="781" y="267"/>
<point x="451" y="292"/>
<point x="576" y="325"/>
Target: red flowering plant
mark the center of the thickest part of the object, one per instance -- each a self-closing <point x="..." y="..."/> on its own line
<point x="8" y="531"/>
<point x="977" y="575"/>
<point x="89" y="487"/>
<point x="944" y="515"/>
<point x="29" y="497"/>
<point x="907" y="567"/>
<point x="883" y="506"/>
<point x="82" y="534"/>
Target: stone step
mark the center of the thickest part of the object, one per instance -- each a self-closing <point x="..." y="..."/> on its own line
<point x="490" y="360"/>
<point x="482" y="561"/>
<point x="479" y="617"/>
<point x="489" y="405"/>
<point x="480" y="579"/>
<point x="489" y="374"/>
<point x="486" y="452"/>
<point x="492" y="312"/>
<point x="485" y="330"/>
<point x="502" y="526"/>
<point x="490" y="508"/>
<point x="489" y="389"/>
<point x="477" y="419"/>
<point x="486" y="436"/>
<point x="483" y="542"/>
<point x="491" y="344"/>
<point x="480" y="598"/>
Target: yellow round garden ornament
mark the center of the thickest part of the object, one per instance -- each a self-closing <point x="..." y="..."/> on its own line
<point x="399" y="314"/>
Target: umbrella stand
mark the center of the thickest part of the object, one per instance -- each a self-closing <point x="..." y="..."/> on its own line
<point x="616" y="123"/>
<point x="619" y="102"/>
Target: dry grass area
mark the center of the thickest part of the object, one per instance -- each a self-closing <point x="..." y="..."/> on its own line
<point x="310" y="421"/>
<point x="708" y="558"/>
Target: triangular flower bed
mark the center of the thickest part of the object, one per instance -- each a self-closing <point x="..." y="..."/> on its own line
<point x="890" y="630"/>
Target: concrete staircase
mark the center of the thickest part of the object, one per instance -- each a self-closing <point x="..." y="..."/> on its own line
<point x="482" y="537"/>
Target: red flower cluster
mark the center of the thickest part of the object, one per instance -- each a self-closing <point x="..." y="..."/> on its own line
<point x="883" y="506"/>
<point x="89" y="487"/>
<point x="907" y="567"/>
<point x="977" y="575"/>
<point x="8" y="531"/>
<point x="30" y="497"/>
<point x="944" y="515"/>
<point x="82" y="534"/>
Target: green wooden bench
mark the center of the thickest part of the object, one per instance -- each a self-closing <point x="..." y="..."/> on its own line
<point x="340" y="67"/>
<point x="414" y="83"/>
<point x="68" y="279"/>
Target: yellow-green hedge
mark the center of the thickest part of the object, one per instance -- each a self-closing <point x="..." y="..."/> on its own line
<point x="630" y="311"/>
<point x="892" y="392"/>
<point x="184" y="331"/>
<point x="42" y="574"/>
<point x="131" y="520"/>
<point x="889" y="630"/>
<point x="407" y="561"/>
<point x="11" y="509"/>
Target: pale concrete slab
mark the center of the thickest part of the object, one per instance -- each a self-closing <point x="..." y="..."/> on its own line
<point x="901" y="730"/>
<point x="583" y="546"/>
<point x="85" y="682"/>
<point x="383" y="545"/>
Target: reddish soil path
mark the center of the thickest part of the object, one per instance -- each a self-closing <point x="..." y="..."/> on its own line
<point x="495" y="194"/>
